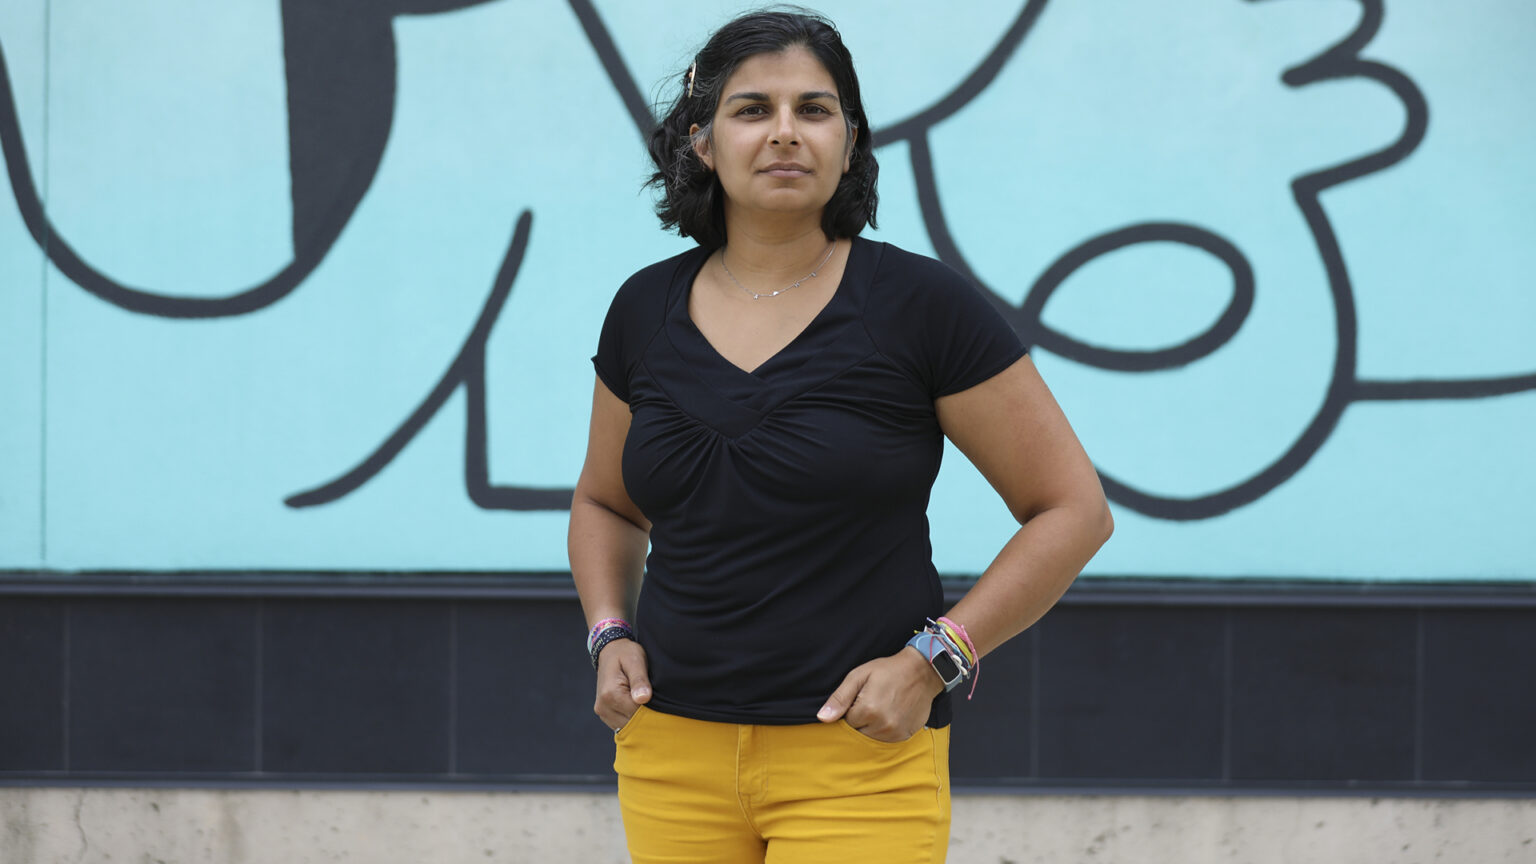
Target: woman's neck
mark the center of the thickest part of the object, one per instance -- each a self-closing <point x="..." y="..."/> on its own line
<point x="774" y="251"/>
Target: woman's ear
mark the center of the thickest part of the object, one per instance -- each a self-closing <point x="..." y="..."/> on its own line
<point x="701" y="146"/>
<point x="853" y="135"/>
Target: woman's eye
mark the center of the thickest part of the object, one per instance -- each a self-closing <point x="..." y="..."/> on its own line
<point x="813" y="108"/>
<point x="754" y="110"/>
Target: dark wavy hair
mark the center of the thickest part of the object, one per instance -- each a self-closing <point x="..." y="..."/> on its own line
<point x="691" y="199"/>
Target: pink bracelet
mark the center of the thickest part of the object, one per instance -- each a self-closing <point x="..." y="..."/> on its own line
<point x="975" y="657"/>
<point x="599" y="627"/>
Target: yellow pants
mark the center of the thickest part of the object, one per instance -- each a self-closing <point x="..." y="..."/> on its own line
<point x="723" y="793"/>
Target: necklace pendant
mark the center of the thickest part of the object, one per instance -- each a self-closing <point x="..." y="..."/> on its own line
<point x="756" y="296"/>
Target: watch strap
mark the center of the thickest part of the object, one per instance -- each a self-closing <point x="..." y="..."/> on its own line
<point x="950" y="669"/>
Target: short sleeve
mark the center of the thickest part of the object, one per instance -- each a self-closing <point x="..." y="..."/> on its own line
<point x="634" y="316"/>
<point x="610" y="361"/>
<point x="935" y="324"/>
<point x="969" y="340"/>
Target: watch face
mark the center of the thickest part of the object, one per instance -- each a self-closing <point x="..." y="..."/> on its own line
<point x="946" y="666"/>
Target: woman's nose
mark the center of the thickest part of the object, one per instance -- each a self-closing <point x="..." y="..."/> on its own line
<point x="784" y="128"/>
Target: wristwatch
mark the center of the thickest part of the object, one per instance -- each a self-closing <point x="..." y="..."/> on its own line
<point x="937" y="654"/>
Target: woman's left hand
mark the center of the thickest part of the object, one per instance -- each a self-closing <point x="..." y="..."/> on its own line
<point x="887" y="699"/>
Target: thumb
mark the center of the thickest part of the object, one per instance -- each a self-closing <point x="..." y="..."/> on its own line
<point x="639" y="681"/>
<point x="838" y="703"/>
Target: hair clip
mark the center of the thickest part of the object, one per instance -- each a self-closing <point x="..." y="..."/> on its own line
<point x="692" y="70"/>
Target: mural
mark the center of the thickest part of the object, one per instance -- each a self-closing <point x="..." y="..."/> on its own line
<point x="308" y="285"/>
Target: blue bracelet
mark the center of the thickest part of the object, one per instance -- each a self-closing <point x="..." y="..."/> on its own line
<point x="941" y="655"/>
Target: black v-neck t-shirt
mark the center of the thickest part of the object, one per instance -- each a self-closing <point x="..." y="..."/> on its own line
<point x="788" y="505"/>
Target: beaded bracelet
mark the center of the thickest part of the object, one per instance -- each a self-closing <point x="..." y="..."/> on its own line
<point x="604" y="625"/>
<point x="601" y="638"/>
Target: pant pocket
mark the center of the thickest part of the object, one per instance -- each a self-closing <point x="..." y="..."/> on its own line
<point x="629" y="725"/>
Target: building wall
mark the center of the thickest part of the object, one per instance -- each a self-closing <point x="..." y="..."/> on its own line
<point x="313" y="285"/>
<point x="1390" y="692"/>
<point x="297" y="300"/>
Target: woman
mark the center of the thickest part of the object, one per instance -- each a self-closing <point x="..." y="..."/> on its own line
<point x="769" y="416"/>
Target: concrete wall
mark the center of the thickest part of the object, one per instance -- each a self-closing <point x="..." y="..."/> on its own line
<point x="173" y="826"/>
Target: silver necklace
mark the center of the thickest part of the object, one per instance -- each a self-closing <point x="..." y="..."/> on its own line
<point x="796" y="284"/>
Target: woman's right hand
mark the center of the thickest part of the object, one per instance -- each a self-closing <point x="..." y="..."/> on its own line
<point x="623" y="684"/>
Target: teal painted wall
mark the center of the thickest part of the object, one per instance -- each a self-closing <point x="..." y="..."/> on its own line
<point x="283" y="287"/>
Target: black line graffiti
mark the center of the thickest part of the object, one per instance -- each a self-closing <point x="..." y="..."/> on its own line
<point x="339" y="54"/>
<point x="1338" y="62"/>
<point x="613" y="65"/>
<point x="317" y="222"/>
<point x="467" y="370"/>
<point x="340" y="61"/>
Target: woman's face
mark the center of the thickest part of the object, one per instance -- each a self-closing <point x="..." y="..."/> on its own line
<point x="780" y="142"/>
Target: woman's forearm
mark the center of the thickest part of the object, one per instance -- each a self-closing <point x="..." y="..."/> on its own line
<point x="1031" y="572"/>
<point x="607" y="553"/>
